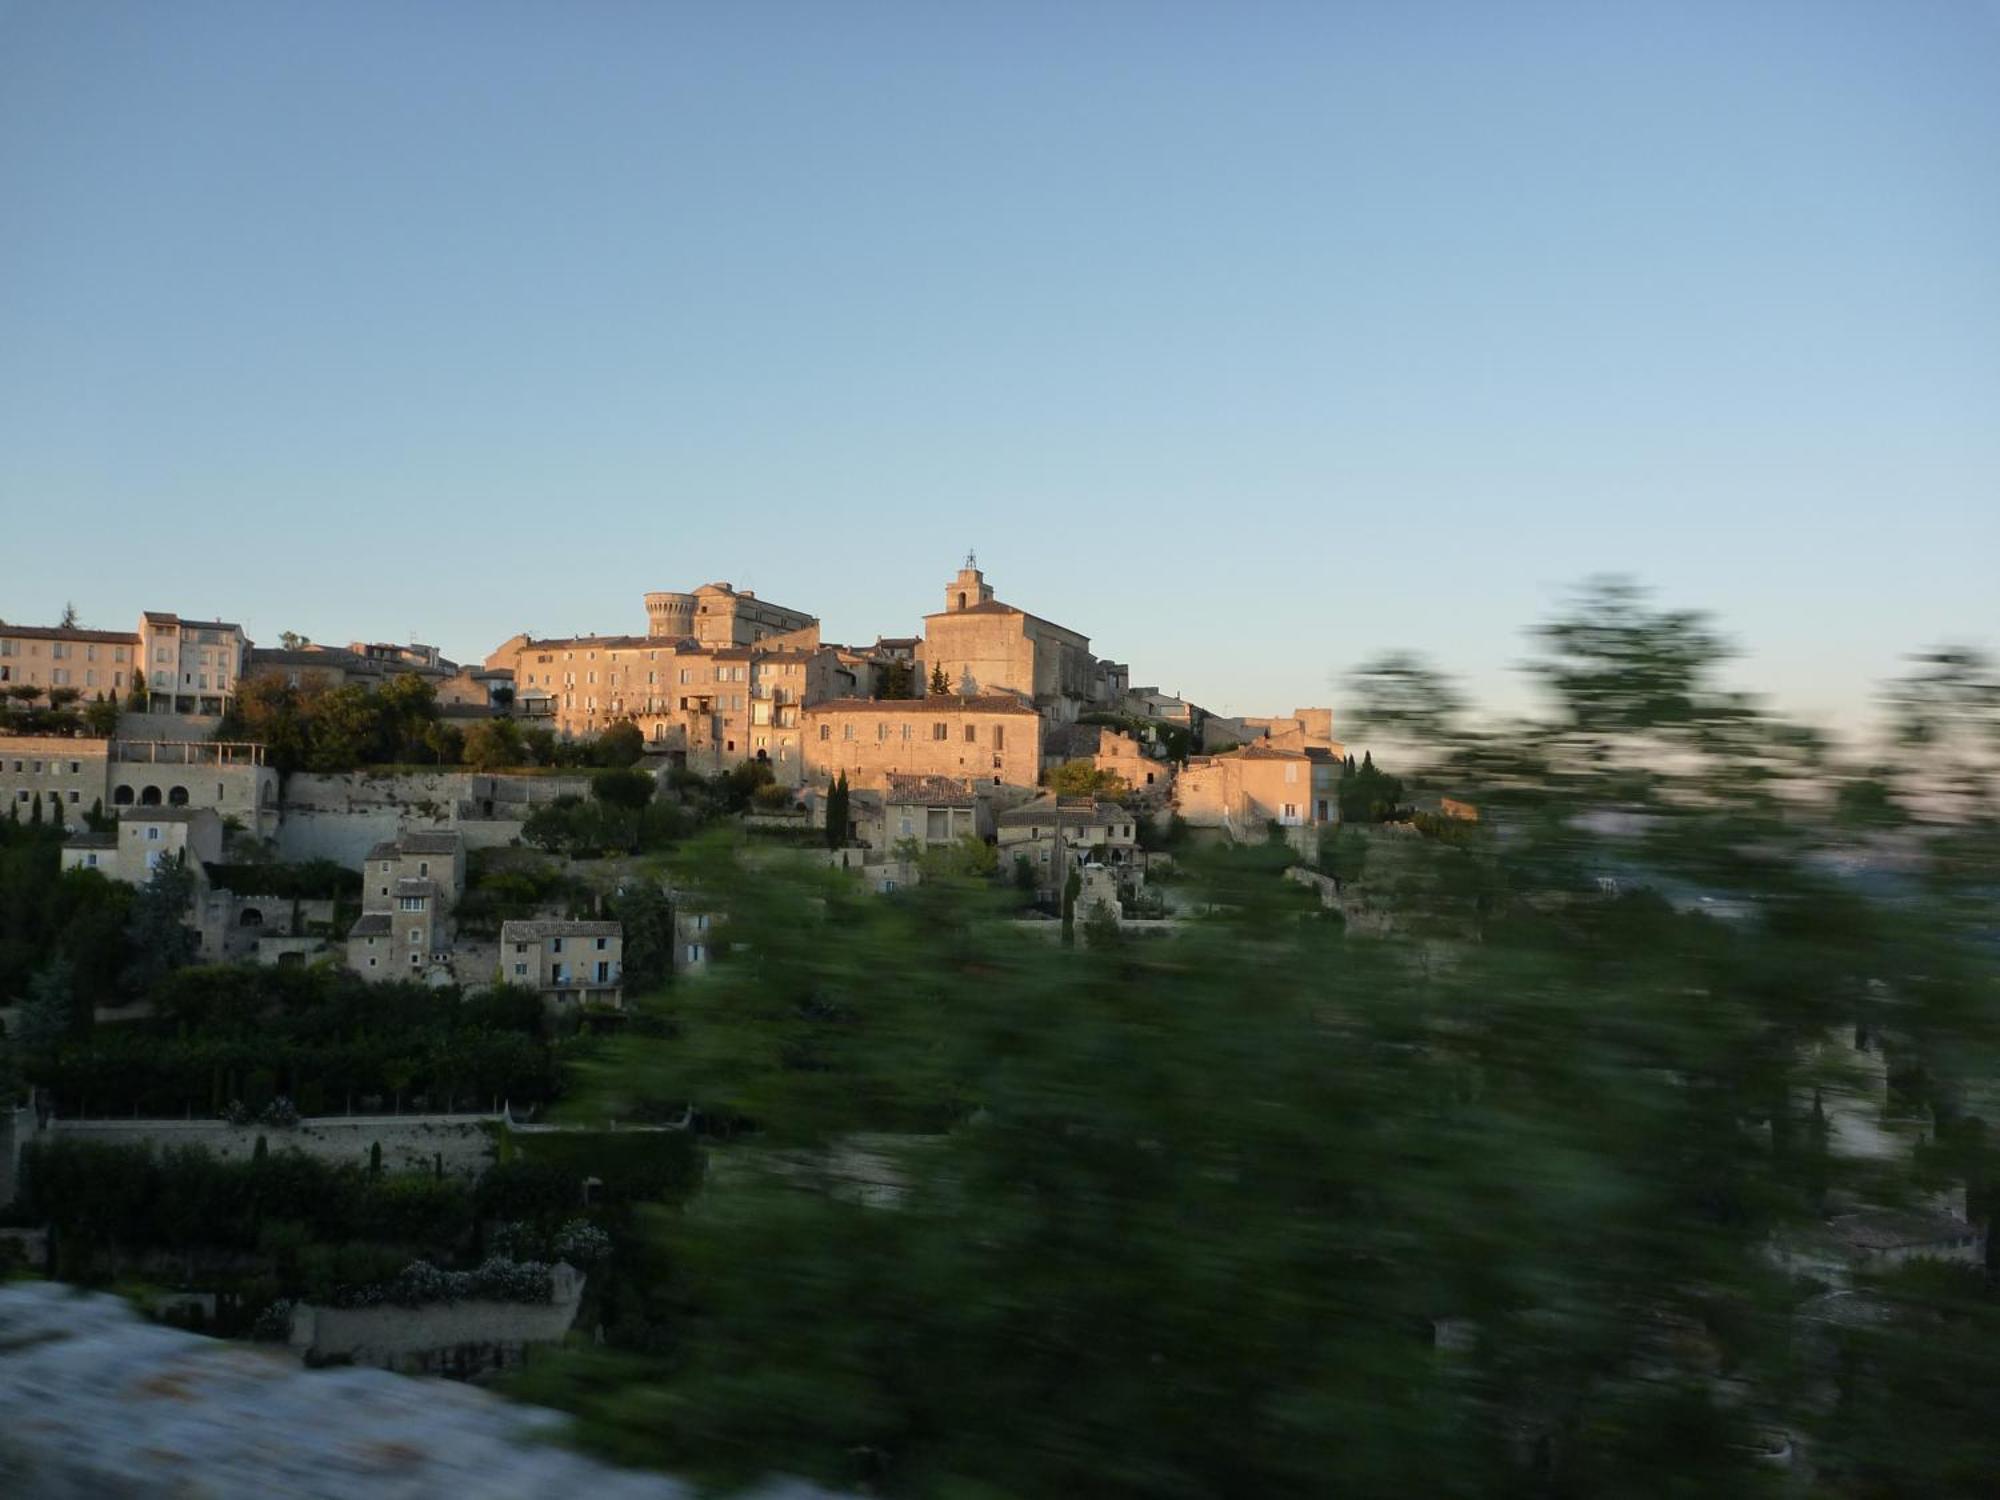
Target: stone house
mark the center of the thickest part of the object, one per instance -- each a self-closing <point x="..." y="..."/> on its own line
<point x="1246" y="790"/>
<point x="566" y="962"/>
<point x="409" y="886"/>
<point x="191" y="666"/>
<point x="929" y="811"/>
<point x="1056" y="834"/>
<point x="144" y="837"/>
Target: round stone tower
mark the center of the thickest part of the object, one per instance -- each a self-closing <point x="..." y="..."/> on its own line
<point x="670" y="615"/>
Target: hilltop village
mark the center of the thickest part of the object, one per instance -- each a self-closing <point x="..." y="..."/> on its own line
<point x="995" y="738"/>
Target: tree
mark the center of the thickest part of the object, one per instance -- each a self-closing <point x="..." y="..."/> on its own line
<point x="1072" y="888"/>
<point x="647" y="917"/>
<point x="68" y="616"/>
<point x="160" y="941"/>
<point x="620" y="745"/>
<point x="291" y="640"/>
<point x="837" y="812"/>
<point x="1081" y="778"/>
<point x="493" y="744"/>
<point x="630" y="789"/>
<point x="1186" y="1216"/>
<point x="101" y="717"/>
<point x="898" y="681"/>
<point x="940" y="684"/>
<point x="47" y="1013"/>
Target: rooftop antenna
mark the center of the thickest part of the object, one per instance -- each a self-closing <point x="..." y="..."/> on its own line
<point x="971" y="559"/>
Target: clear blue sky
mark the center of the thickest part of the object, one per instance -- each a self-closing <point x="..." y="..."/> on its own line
<point x="1250" y="339"/>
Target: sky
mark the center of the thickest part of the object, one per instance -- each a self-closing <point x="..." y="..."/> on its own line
<point x="1252" y="340"/>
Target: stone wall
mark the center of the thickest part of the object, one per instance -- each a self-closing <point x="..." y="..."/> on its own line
<point x="471" y="1337"/>
<point x="342" y="817"/>
<point x="410" y="1143"/>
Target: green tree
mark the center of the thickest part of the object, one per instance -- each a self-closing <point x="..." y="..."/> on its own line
<point x="160" y="941"/>
<point x="940" y="684"/>
<point x="838" y="813"/>
<point x="647" y="917"/>
<point x="493" y="745"/>
<point x="1190" y="1215"/>
<point x="620" y="745"/>
<point x="898" y="681"/>
<point x="48" y="1013"/>
<point x="630" y="789"/>
<point x="1081" y="778"/>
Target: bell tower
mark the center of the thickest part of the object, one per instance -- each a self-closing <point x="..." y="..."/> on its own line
<point x="969" y="588"/>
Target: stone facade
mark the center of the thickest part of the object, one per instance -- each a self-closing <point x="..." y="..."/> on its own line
<point x="985" y="647"/>
<point x="1056" y="834"/>
<point x="191" y="666"/>
<point x="1245" y="790"/>
<point x="91" y="661"/>
<point x="718" y="615"/>
<point x="567" y="963"/>
<point x="994" y="739"/>
<point x="145" y="836"/>
<point x="408" y="889"/>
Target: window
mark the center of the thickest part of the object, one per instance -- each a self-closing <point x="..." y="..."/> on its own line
<point x="520" y="968"/>
<point x="153" y="833"/>
<point x="999" y="736"/>
<point x="906" y="731"/>
<point x="423" y="867"/>
<point x="1291" y="809"/>
<point x="847" y="731"/>
<point x="555" y="945"/>
<point x="971" y="735"/>
<point x="75" y="797"/>
<point x="416" y="937"/>
<point x="696" y="953"/>
<point x="825" y="733"/>
<point x="940" y="730"/>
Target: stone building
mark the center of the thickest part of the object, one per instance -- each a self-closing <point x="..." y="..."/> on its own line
<point x="994" y="739"/>
<point x="74" y="776"/>
<point x="1056" y="834"/>
<point x="46" y="656"/>
<point x="68" y="777"/>
<point x="986" y="647"/>
<point x="929" y="811"/>
<point x="717" y="615"/>
<point x="1246" y="790"/>
<point x="191" y="666"/>
<point x="565" y="962"/>
<point x="409" y="886"/>
<point x="143" y="838"/>
<point x="1150" y="777"/>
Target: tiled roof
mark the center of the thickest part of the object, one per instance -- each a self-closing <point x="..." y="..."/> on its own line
<point x="932" y="791"/>
<point x="535" y="931"/>
<point x="936" y="703"/>
<point x="983" y="607"/>
<point x="91" y="841"/>
<point x="70" y="633"/>
<point x="431" y="842"/>
<point x="415" y="885"/>
<point x="375" y="924"/>
<point x="163" y="814"/>
<point x="1072" y="812"/>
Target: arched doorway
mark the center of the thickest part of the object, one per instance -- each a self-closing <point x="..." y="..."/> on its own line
<point x="122" y="797"/>
<point x="178" y="797"/>
<point x="150" y="797"/>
